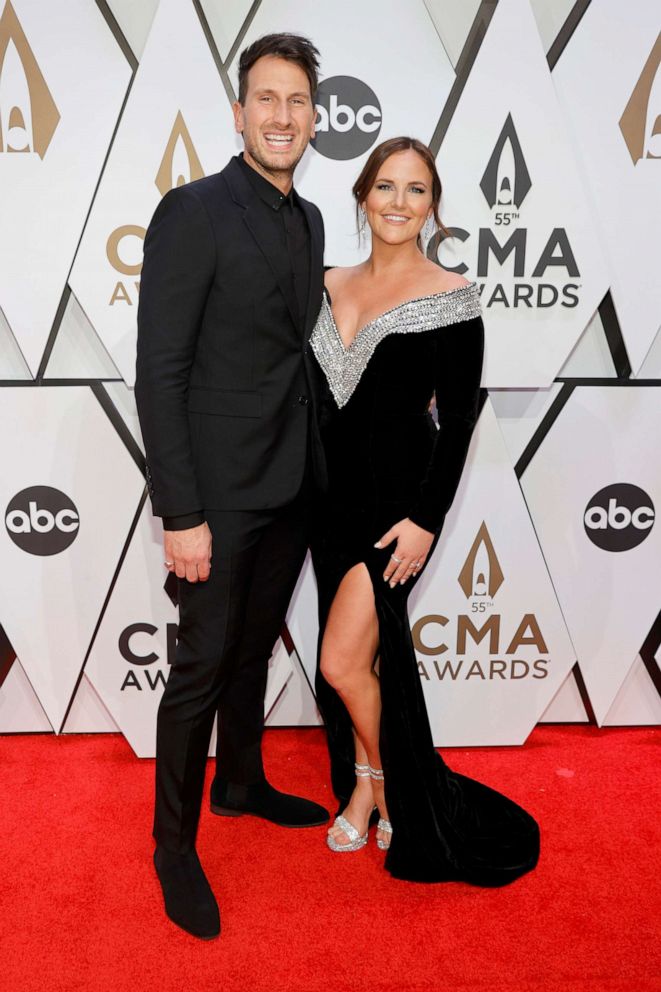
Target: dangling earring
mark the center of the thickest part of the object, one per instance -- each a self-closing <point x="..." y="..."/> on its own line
<point x="428" y="229"/>
<point x="362" y="224"/>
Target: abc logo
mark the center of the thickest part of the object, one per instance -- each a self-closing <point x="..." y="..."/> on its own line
<point x="619" y="517"/>
<point x="42" y="520"/>
<point x="348" y="118"/>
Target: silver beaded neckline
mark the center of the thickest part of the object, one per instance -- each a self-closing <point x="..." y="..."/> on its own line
<point x="344" y="366"/>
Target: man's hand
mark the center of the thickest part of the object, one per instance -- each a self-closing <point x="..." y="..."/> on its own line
<point x="188" y="552"/>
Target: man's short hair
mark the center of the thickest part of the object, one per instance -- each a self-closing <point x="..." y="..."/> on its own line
<point x="292" y="47"/>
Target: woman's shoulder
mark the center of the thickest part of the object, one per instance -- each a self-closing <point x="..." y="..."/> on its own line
<point x="337" y="275"/>
<point x="441" y="281"/>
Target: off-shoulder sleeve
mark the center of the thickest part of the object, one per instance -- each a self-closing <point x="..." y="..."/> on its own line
<point x="459" y="357"/>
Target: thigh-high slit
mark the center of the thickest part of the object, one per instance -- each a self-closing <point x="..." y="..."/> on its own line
<point x="445" y="826"/>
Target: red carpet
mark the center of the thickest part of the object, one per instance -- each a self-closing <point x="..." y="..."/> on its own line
<point x="81" y="909"/>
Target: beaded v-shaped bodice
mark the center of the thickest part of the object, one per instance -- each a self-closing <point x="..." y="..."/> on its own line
<point x="344" y="365"/>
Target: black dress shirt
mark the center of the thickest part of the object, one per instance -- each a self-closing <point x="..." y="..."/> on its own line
<point x="286" y="213"/>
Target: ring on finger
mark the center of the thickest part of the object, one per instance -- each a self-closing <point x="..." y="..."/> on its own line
<point x="398" y="560"/>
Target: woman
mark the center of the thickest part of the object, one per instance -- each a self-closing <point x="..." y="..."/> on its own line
<point x="392" y="332"/>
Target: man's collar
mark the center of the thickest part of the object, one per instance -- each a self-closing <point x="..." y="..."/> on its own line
<point x="266" y="191"/>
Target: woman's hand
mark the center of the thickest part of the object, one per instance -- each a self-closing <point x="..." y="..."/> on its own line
<point x="413" y="544"/>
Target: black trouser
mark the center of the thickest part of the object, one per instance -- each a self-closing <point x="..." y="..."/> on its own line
<point x="228" y="626"/>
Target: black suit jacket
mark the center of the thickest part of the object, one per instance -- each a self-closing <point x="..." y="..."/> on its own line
<point x="227" y="389"/>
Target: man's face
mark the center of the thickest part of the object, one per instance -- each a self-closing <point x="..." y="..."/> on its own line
<point x="277" y="120"/>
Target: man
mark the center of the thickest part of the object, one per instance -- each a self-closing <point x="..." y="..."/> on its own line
<point x="231" y="287"/>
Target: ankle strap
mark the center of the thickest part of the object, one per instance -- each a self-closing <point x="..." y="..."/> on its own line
<point x="362" y="771"/>
<point x="375" y="773"/>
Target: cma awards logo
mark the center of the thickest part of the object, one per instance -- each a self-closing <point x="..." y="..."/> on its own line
<point x="505" y="185"/>
<point x="348" y="118"/>
<point x="619" y="517"/>
<point x="28" y="115"/>
<point x="480" y="579"/>
<point x="42" y="520"/>
<point x="179" y="165"/>
<point x="640" y="123"/>
<point x="136" y="646"/>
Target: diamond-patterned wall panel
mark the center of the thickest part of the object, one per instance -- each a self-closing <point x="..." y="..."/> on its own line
<point x="225" y="19"/>
<point x="67" y="506"/>
<point x="567" y="705"/>
<point x="529" y="162"/>
<point x="176" y="126"/>
<point x="87" y="714"/>
<point x="520" y="413"/>
<point x="63" y="79"/>
<point x="525" y="236"/>
<point x="20" y="709"/>
<point x="77" y="351"/>
<point x="636" y="703"/>
<point x="491" y="642"/>
<point x="595" y="516"/>
<point x="612" y="107"/>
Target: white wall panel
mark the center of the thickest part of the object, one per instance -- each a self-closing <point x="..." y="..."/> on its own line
<point x="176" y="126"/>
<point x="87" y="714"/>
<point x="67" y="506"/>
<point x="550" y="16"/>
<point x="78" y="352"/>
<point x="123" y="400"/>
<point x="63" y="81"/>
<point x="604" y="561"/>
<point x="525" y="237"/>
<point x="590" y="357"/>
<point x="491" y="642"/>
<point x="612" y="105"/>
<point x="453" y="20"/>
<point x="20" y="709"/>
<point x="135" y="21"/>
<point x="566" y="706"/>
<point x="651" y="367"/>
<point x="12" y="363"/>
<point x="519" y="413"/>
<point x="225" y="18"/>
<point x="637" y="704"/>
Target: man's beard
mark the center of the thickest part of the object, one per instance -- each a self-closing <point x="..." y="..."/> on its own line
<point x="275" y="167"/>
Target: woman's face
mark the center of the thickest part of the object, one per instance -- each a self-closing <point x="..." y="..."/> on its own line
<point x="400" y="200"/>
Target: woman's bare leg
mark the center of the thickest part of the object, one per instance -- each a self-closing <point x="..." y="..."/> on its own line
<point x="348" y="651"/>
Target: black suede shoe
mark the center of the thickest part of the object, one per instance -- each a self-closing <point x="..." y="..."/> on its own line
<point x="189" y="901"/>
<point x="265" y="801"/>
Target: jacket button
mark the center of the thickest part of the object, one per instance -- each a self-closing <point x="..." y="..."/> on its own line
<point x="303" y="400"/>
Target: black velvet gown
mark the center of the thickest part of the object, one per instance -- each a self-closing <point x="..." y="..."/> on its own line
<point x="386" y="461"/>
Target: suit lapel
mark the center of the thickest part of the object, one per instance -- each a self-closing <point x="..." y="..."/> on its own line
<point x="267" y="238"/>
<point x="265" y="235"/>
<point x="315" y="288"/>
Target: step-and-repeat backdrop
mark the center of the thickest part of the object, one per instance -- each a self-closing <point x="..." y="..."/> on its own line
<point x="543" y="600"/>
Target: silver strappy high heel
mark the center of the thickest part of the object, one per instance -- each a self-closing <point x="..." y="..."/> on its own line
<point x="385" y="826"/>
<point x="356" y="840"/>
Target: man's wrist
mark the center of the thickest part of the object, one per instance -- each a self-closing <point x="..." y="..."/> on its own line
<point x="184" y="521"/>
